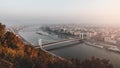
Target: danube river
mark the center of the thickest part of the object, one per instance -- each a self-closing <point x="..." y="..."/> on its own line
<point x="79" y="51"/>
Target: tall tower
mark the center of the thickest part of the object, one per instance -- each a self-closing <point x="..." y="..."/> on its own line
<point x="40" y="43"/>
<point x="82" y="35"/>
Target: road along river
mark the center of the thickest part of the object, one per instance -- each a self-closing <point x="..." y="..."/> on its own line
<point x="79" y="51"/>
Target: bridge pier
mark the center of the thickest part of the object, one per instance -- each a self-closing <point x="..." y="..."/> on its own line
<point x="40" y="43"/>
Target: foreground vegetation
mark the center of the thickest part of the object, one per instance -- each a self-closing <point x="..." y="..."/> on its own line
<point x="16" y="54"/>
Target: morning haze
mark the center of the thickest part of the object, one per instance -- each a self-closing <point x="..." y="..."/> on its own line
<point x="52" y="11"/>
<point x="59" y="33"/>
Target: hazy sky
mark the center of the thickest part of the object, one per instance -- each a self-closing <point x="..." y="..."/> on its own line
<point x="90" y="11"/>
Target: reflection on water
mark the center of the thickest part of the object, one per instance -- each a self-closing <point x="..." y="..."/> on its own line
<point x="83" y="51"/>
<point x="80" y="51"/>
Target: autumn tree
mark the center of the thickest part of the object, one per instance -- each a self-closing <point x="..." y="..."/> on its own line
<point x="2" y="29"/>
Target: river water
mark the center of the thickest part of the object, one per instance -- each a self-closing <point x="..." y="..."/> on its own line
<point x="79" y="51"/>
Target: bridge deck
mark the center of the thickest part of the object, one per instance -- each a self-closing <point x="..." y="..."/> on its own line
<point x="56" y="44"/>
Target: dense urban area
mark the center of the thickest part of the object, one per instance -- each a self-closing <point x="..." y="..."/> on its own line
<point x="14" y="53"/>
<point x="102" y="37"/>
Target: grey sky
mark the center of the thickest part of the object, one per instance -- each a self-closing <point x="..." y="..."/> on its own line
<point x="97" y="11"/>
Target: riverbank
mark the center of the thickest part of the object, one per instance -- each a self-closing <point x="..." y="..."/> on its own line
<point x="16" y="32"/>
<point x="101" y="45"/>
<point x="79" y="51"/>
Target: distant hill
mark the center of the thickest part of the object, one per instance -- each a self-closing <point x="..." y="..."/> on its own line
<point x="16" y="54"/>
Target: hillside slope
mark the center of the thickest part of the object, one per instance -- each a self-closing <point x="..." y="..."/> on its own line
<point x="16" y="54"/>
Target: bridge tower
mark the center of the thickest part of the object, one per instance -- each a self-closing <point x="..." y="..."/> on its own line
<point x="40" y="43"/>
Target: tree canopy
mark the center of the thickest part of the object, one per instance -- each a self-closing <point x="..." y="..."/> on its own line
<point x="2" y="30"/>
